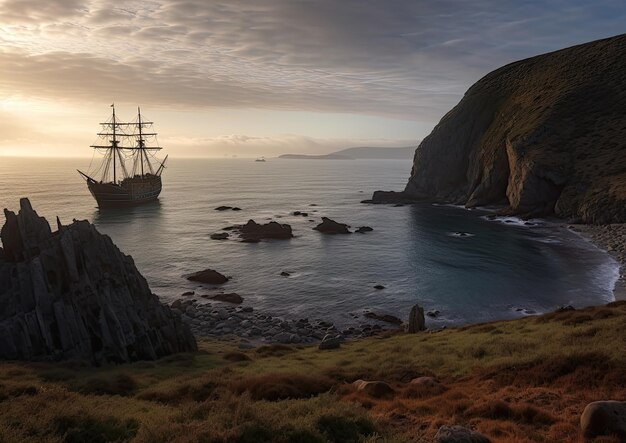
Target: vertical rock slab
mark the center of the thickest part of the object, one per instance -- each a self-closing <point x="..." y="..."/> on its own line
<point x="73" y="294"/>
<point x="416" y="320"/>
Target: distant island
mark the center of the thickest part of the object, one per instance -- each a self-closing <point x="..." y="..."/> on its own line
<point x="360" y="153"/>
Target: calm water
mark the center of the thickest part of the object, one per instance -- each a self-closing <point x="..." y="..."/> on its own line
<point x="489" y="275"/>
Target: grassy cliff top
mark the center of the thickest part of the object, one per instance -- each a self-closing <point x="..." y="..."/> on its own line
<point x="515" y="381"/>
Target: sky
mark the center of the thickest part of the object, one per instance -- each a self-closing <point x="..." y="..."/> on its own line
<point x="264" y="77"/>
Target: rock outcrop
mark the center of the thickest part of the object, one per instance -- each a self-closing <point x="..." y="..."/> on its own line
<point x="208" y="276"/>
<point x="253" y="232"/>
<point x="416" y="320"/>
<point x="545" y="135"/>
<point x="329" y="226"/>
<point x="71" y="294"/>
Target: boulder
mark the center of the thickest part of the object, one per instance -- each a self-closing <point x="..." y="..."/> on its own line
<point x="376" y="389"/>
<point x="253" y="232"/>
<point x="220" y="236"/>
<point x="430" y="382"/>
<point x="604" y="418"/>
<point x="285" y="274"/>
<point x="384" y="317"/>
<point x="72" y="294"/>
<point x="459" y="434"/>
<point x="329" y="226"/>
<point x="416" y="320"/>
<point x="208" y="276"/>
<point x="228" y="298"/>
<point x="330" y="342"/>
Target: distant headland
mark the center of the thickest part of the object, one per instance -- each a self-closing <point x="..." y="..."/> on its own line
<point x="360" y="153"/>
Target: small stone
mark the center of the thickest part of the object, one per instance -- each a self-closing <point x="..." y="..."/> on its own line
<point x="285" y="274"/>
<point x="330" y="342"/>
<point x="364" y="229"/>
<point x="228" y="298"/>
<point x="379" y="287"/>
<point x="376" y="389"/>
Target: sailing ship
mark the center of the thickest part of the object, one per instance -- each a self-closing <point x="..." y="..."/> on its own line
<point x="129" y="173"/>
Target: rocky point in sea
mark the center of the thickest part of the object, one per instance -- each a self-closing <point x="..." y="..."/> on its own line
<point x="72" y="294"/>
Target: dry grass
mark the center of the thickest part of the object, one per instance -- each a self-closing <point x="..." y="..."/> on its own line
<point x="519" y="381"/>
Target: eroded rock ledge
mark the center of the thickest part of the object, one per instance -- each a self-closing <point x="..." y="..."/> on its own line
<point x="542" y="136"/>
<point x="72" y="294"/>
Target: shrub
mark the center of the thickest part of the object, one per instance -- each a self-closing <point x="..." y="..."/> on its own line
<point x="120" y="384"/>
<point x="80" y="429"/>
<point x="274" y="350"/>
<point x="344" y="429"/>
<point x="274" y="387"/>
<point x="236" y="356"/>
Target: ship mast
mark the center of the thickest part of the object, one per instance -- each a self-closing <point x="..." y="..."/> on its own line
<point x="114" y="146"/>
<point x="128" y="142"/>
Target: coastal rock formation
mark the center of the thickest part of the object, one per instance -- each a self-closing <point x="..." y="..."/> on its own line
<point x="71" y="294"/>
<point x="384" y="317"/>
<point x="604" y="418"/>
<point x="228" y="298"/>
<point x="329" y="226"/>
<point x="208" y="276"/>
<point x="253" y="232"/>
<point x="416" y="320"/>
<point x="545" y="135"/>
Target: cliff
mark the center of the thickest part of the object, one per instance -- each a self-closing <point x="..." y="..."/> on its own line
<point x="545" y="135"/>
<point x="71" y="294"/>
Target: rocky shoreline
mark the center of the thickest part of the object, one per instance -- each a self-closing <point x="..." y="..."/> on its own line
<point x="217" y="320"/>
<point x="612" y="239"/>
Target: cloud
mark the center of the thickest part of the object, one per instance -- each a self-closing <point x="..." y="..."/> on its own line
<point x="37" y="11"/>
<point x="408" y="59"/>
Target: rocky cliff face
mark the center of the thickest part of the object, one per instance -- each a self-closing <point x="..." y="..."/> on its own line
<point x="73" y="294"/>
<point x="543" y="135"/>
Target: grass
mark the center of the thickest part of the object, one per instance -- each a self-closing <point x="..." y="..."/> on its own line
<point x="526" y="380"/>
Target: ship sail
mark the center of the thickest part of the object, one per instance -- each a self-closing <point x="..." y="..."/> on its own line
<point x="129" y="172"/>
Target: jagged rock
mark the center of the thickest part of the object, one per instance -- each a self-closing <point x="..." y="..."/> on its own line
<point x="253" y="232"/>
<point x="518" y="137"/>
<point x="604" y="418"/>
<point x="285" y="274"/>
<point x="385" y="317"/>
<point x="228" y="298"/>
<point x="376" y="389"/>
<point x="329" y="226"/>
<point x="459" y="434"/>
<point x="208" y="276"/>
<point x="416" y="320"/>
<point x="71" y="294"/>
<point x="220" y="236"/>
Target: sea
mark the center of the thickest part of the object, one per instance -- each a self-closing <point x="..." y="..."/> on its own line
<point x="445" y="258"/>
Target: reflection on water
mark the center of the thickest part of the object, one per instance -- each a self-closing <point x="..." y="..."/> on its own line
<point x="488" y="274"/>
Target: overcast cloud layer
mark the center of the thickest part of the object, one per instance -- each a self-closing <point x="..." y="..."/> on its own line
<point x="404" y="59"/>
<point x="408" y="59"/>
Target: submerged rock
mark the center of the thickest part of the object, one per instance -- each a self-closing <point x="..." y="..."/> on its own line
<point x="329" y="226"/>
<point x="208" y="276"/>
<point x="220" y="236"/>
<point x="364" y="229"/>
<point x="72" y="294"/>
<point x="228" y="298"/>
<point x="385" y="317"/>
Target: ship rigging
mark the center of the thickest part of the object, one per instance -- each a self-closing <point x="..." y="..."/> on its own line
<point x="124" y="146"/>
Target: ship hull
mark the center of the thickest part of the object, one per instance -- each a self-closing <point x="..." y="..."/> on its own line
<point x="130" y="192"/>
